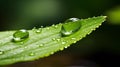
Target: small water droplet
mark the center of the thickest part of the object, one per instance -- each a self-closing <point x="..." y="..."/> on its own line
<point x="52" y="53"/>
<point x="66" y="46"/>
<point x="1" y="52"/>
<point x="69" y="28"/>
<point x="55" y="26"/>
<point x="34" y="28"/>
<point x="48" y="28"/>
<point x="58" y="39"/>
<point x="74" y="41"/>
<point x="61" y="49"/>
<point x="42" y="26"/>
<point x="41" y="45"/>
<point x="53" y="39"/>
<point x="63" y="42"/>
<point x="20" y="35"/>
<point x="25" y="47"/>
<point x="31" y="54"/>
<point x="73" y="38"/>
<point x="38" y="30"/>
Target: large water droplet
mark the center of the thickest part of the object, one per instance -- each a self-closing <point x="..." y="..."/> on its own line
<point x="1" y="52"/>
<point x="69" y="28"/>
<point x="20" y="35"/>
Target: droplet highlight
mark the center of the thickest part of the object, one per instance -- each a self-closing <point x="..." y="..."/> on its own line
<point x="72" y="20"/>
<point x="70" y="28"/>
<point x="31" y="54"/>
<point x="41" y="45"/>
<point x="38" y="30"/>
<point x="1" y="52"/>
<point x="63" y="42"/>
<point x="20" y="35"/>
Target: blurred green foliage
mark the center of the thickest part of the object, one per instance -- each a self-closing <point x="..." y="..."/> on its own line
<point x="114" y="15"/>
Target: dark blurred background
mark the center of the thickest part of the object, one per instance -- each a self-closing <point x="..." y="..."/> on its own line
<point x="100" y="49"/>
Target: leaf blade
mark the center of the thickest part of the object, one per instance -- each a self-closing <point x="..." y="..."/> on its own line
<point x="31" y="50"/>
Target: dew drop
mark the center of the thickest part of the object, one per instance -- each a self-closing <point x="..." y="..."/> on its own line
<point x="53" y="39"/>
<point x="41" y="45"/>
<point x="47" y="28"/>
<point x="52" y="53"/>
<point x="42" y="26"/>
<point x="31" y="54"/>
<point x="53" y="25"/>
<point x="61" y="49"/>
<point x="69" y="28"/>
<point x="20" y="35"/>
<point x="66" y="46"/>
<point x="1" y="52"/>
<point x="38" y="30"/>
<point x="63" y="42"/>
<point x="58" y="39"/>
<point x="73" y="38"/>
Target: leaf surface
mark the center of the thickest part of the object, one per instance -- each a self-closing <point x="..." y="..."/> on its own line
<point x="44" y="43"/>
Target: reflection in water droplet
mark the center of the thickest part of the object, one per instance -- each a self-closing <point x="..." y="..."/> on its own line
<point x="69" y="28"/>
<point x="20" y="35"/>
<point x="72" y="20"/>
<point x="1" y="52"/>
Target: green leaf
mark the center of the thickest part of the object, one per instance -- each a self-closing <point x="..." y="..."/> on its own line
<point x="43" y="42"/>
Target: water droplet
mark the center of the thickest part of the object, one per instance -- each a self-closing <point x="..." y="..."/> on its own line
<point x="31" y="54"/>
<point x="53" y="39"/>
<point x="20" y="35"/>
<point x="41" y="45"/>
<point x="52" y="53"/>
<point x="1" y="52"/>
<point x="53" y="25"/>
<point x="63" y="42"/>
<point x="66" y="46"/>
<point x="42" y="26"/>
<point x="61" y="49"/>
<point x="25" y="47"/>
<point x="73" y="38"/>
<point x="34" y="28"/>
<point x="58" y="39"/>
<point x="47" y="28"/>
<point x="74" y="41"/>
<point x="38" y="30"/>
<point x="69" y="28"/>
